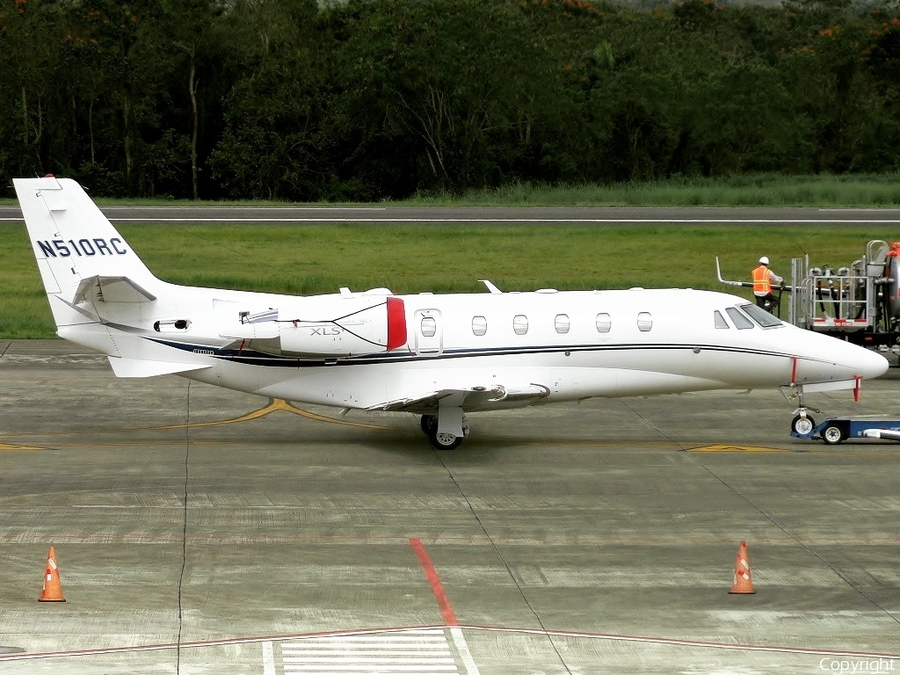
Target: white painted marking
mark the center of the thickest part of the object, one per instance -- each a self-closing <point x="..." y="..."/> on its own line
<point x="268" y="658"/>
<point x="426" y="652"/>
<point x="463" y="650"/>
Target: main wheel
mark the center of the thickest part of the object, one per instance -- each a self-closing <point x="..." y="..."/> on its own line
<point x="429" y="424"/>
<point x="833" y="434"/>
<point x="803" y="425"/>
<point x="445" y="441"/>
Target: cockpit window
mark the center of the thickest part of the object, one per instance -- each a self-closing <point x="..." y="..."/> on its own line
<point x="761" y="316"/>
<point x="720" y="320"/>
<point x="740" y="321"/>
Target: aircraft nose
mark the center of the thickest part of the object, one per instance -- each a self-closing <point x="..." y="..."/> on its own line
<point x="871" y="364"/>
<point x="833" y="359"/>
<point x="859" y="361"/>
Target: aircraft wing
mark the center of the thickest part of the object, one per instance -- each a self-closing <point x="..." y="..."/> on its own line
<point x="470" y="398"/>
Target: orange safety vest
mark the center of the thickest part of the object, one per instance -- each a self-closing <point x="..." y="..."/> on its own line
<point x="761" y="284"/>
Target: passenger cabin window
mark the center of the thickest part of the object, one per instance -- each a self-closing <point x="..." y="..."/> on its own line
<point x="520" y="324"/>
<point x="479" y="325"/>
<point x="644" y="322"/>
<point x="720" y="320"/>
<point x="604" y="323"/>
<point x="561" y="323"/>
<point x="429" y="326"/>
<point x="741" y="321"/>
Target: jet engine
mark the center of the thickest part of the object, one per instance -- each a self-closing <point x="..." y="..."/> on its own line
<point x="343" y="327"/>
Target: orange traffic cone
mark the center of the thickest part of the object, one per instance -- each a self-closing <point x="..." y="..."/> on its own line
<point x="52" y="591"/>
<point x="743" y="583"/>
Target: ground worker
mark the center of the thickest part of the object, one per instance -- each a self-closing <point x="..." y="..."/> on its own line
<point x="764" y="280"/>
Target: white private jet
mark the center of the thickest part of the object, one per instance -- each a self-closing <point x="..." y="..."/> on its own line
<point x="439" y="356"/>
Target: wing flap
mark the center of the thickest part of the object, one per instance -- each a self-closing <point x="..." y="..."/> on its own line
<point x="472" y="398"/>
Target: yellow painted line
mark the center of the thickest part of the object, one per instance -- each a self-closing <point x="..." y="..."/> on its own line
<point x="736" y="448"/>
<point x="6" y="446"/>
<point x="274" y="405"/>
<point x="846" y="450"/>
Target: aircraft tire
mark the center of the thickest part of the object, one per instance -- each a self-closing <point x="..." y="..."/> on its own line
<point x="803" y="425"/>
<point x="445" y="441"/>
<point x="429" y="424"/>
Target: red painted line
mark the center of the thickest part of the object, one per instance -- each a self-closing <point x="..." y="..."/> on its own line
<point x="435" y="581"/>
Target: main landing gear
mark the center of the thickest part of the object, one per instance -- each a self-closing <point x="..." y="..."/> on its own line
<point x="442" y="440"/>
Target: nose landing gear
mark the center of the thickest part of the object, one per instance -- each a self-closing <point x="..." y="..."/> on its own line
<point x="802" y="424"/>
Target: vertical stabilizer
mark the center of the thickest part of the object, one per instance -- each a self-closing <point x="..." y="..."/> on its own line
<point x="77" y="249"/>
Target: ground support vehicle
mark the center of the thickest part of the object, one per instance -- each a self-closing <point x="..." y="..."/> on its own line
<point x="836" y="430"/>
<point x="859" y="303"/>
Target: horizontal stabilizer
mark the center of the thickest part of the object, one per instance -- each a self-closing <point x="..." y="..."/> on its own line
<point x="111" y="289"/>
<point x="125" y="367"/>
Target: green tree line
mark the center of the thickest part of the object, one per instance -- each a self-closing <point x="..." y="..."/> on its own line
<point x="373" y="99"/>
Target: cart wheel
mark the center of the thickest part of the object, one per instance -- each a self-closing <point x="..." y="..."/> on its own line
<point x="803" y="426"/>
<point x="833" y="434"/>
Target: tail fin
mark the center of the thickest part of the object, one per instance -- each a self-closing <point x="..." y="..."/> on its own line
<point x="83" y="260"/>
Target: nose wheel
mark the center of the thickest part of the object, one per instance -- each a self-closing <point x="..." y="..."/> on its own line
<point x="803" y="424"/>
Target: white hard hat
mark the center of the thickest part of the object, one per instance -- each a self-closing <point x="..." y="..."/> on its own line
<point x="764" y="260"/>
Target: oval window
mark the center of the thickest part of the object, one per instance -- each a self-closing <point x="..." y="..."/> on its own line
<point x="429" y="326"/>
<point x="644" y="322"/>
<point x="520" y="324"/>
<point x="604" y="323"/>
<point x="561" y="323"/>
<point x="479" y="325"/>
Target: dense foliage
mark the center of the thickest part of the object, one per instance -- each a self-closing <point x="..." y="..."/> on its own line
<point x="367" y="99"/>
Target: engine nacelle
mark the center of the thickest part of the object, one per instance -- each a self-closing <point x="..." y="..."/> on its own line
<point x="340" y="327"/>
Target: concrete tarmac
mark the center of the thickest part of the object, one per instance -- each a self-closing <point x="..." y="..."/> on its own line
<point x="199" y="530"/>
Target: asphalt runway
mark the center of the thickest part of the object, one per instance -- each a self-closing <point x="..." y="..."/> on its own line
<point x="199" y="530"/>
<point x="486" y="215"/>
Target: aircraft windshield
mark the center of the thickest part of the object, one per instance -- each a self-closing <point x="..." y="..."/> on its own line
<point x="761" y="316"/>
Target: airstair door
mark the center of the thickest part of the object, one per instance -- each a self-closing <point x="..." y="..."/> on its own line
<point x="429" y="332"/>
